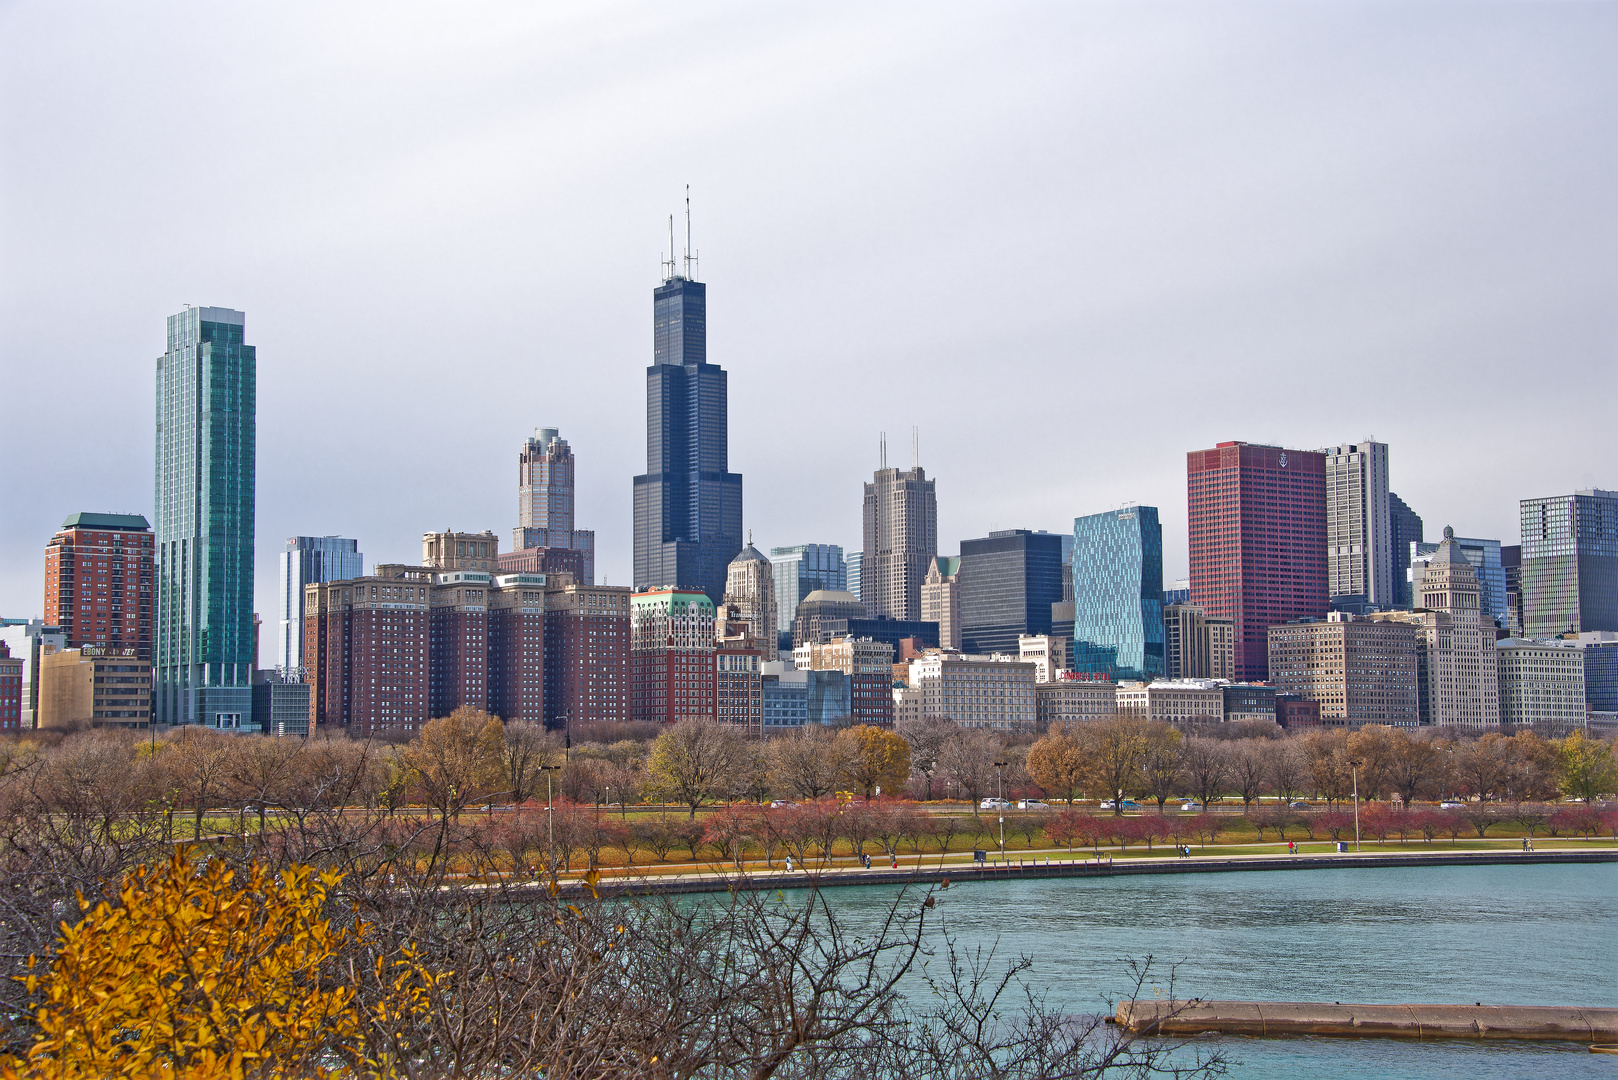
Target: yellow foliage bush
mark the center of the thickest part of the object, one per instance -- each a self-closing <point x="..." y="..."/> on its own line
<point x="198" y="972"/>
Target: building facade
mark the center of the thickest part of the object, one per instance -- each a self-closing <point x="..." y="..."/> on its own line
<point x="739" y="688"/>
<point x="546" y="504"/>
<point x="1195" y="646"/>
<point x="450" y="550"/>
<point x="587" y="665"/>
<point x="823" y="613"/>
<point x="366" y="651"/>
<point x="688" y="504"/>
<point x="1511" y="568"/>
<point x="515" y="662"/>
<point x="901" y="537"/>
<point x="29" y="641"/>
<point x="1600" y="648"/>
<point x="1462" y="684"/>
<point x="1008" y="582"/>
<point x="281" y="704"/>
<point x="791" y="698"/>
<point x="10" y="690"/>
<point x="1570" y="563"/>
<point x="978" y="691"/>
<point x="869" y="667"/>
<point x="671" y="655"/>
<point x="1359" y="671"/>
<point x="941" y="599"/>
<point x="1404" y="526"/>
<point x="99" y="686"/>
<point x="799" y="570"/>
<point x="1178" y="701"/>
<point x="855" y="565"/>
<point x="1048" y="654"/>
<point x="1067" y="701"/>
<point x="750" y="600"/>
<point x="1359" y="523"/>
<point x="1118" y="594"/>
<point x="1487" y="561"/>
<point x="1541" y="685"/>
<point x="98" y="582"/>
<point x="1257" y="530"/>
<point x="206" y="483"/>
<point x="304" y="561"/>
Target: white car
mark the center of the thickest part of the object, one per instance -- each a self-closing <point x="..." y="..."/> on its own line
<point x="1032" y="804"/>
<point x="1452" y="805"/>
<point x="1191" y="805"/>
<point x="994" y="804"/>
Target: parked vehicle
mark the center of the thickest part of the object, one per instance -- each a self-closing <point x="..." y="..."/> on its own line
<point x="1191" y="804"/>
<point x="1032" y="804"/>
<point x="995" y="804"/>
<point x="1127" y="804"/>
<point x="1451" y="804"/>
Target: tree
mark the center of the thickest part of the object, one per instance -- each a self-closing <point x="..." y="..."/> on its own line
<point x="808" y="764"/>
<point x="877" y="759"/>
<point x="1056" y="763"/>
<point x="967" y="760"/>
<point x="1248" y="771"/>
<point x="1325" y="757"/>
<point x="1533" y="767"/>
<point x="1418" y="767"/>
<point x="260" y="771"/>
<point x="926" y="738"/>
<point x="457" y="760"/>
<point x="200" y="762"/>
<point x="1377" y="748"/>
<point x="1483" y="766"/>
<point x="199" y="971"/>
<point x="1585" y="768"/>
<point x="1161" y="772"/>
<point x="694" y="761"/>
<point x="1285" y="768"/>
<point x="524" y="748"/>
<point x="1206" y="763"/>
<point x="1113" y="751"/>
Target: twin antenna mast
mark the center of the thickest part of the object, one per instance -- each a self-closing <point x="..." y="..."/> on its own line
<point x="915" y="448"/>
<point x="692" y="262"/>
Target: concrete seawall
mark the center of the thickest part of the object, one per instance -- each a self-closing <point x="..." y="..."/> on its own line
<point x="1266" y="1018"/>
<point x="964" y="873"/>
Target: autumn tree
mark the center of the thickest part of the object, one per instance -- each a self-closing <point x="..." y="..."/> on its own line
<point x="1056" y="761"/>
<point x="1585" y="768"/>
<point x="1160" y="767"/>
<point x="200" y="762"/>
<point x="1114" y="750"/>
<point x="1483" y="766"/>
<point x="967" y="760"/>
<point x="1324" y="756"/>
<point x="456" y="761"/>
<point x="694" y="761"/>
<point x="1206" y="764"/>
<point x="524" y="747"/>
<point x="926" y="737"/>
<point x="1377" y="748"/>
<point x="878" y="758"/>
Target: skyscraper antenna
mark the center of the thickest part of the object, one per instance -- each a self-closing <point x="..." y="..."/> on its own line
<point x="883" y="458"/>
<point x="688" y="232"/>
<point x="915" y="447"/>
<point x="671" y="245"/>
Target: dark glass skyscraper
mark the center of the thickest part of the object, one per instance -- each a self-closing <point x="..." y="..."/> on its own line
<point x="1570" y="563"/>
<point x="1118" y="594"/>
<point x="1009" y="580"/>
<point x="1405" y="526"/>
<point x="688" y="505"/>
<point x="207" y="382"/>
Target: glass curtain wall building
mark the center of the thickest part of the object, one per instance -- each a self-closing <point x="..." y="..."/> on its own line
<point x="800" y="570"/>
<point x="1118" y="594"/>
<point x="205" y="488"/>
<point x="1008" y="582"/>
<point x="688" y="505"/>
<point x="1570" y="563"/>
<point x="308" y="560"/>
<point x="1404" y="524"/>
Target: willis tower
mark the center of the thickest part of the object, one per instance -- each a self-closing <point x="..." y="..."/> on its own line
<point x="688" y="505"/>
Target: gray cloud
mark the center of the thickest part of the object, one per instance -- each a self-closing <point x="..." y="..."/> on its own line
<point x="1070" y="242"/>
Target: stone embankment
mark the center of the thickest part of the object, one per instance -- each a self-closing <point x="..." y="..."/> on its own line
<point x="1266" y="1018"/>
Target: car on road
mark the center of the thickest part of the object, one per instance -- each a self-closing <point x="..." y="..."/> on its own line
<point x="1032" y="804"/>
<point x="1191" y="804"/>
<point x="1127" y="804"/>
<point x="1451" y="804"/>
<point x="994" y="804"/>
<point x="1299" y="806"/>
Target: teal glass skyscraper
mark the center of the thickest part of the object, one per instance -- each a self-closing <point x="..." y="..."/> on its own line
<point x="1118" y="593"/>
<point x="202" y="664"/>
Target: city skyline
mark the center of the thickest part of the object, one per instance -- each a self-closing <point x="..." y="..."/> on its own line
<point x="1366" y="293"/>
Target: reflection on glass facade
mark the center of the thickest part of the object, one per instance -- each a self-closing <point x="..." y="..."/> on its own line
<point x="205" y="488"/>
<point x="1405" y="526"/>
<point x="1008" y="581"/>
<point x="1118" y="594"/>
<point x="1484" y="556"/>
<point x="800" y="570"/>
<point x="1570" y="563"/>
<point x="308" y="560"/>
<point x="855" y="567"/>
<point x="688" y="505"/>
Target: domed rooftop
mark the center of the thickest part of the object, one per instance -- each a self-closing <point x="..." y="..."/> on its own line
<point x="749" y="554"/>
<point x="1448" y="551"/>
<point x="831" y="596"/>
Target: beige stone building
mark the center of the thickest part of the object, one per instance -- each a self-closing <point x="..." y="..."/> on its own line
<point x="941" y="600"/>
<point x="1195" y="646"/>
<point x="1542" y="685"/>
<point x="1047" y="652"/>
<point x="460" y="551"/>
<point x="1174" y="701"/>
<point x="95" y="686"/>
<point x="749" y="602"/>
<point x="1359" y="671"/>
<point x="1073" y="700"/>
<point x="977" y="691"/>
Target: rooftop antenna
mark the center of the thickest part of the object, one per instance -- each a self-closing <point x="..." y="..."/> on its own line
<point x="688" y="232"/>
<point x="671" y="246"/>
<point x="915" y="447"/>
<point x="884" y="457"/>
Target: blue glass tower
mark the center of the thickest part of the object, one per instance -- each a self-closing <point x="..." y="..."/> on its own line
<point x="1118" y="593"/>
<point x="202" y="665"/>
<point x="688" y="505"/>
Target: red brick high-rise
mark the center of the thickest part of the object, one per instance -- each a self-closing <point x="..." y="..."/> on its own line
<point x="586" y="652"/>
<point x="516" y="659"/>
<point x="458" y="646"/>
<point x="98" y="582"/>
<point x="1256" y="518"/>
<point x="365" y="653"/>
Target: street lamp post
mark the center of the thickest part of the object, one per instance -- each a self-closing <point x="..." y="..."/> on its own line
<point x="550" y="817"/>
<point x="1355" y="764"/>
<point x="1000" y="803"/>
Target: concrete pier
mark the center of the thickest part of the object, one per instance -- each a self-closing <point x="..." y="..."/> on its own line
<point x="1265" y="1018"/>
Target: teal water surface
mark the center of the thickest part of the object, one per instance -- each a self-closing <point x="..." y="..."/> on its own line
<point x="1503" y="935"/>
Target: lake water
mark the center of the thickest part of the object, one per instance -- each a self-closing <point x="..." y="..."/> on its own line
<point x="1502" y="935"/>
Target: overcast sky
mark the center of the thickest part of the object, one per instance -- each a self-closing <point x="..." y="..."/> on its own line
<point x="1070" y="242"/>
